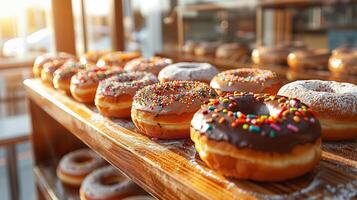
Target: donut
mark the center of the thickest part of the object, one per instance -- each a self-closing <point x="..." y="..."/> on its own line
<point x="49" y="68"/>
<point x="259" y="137"/>
<point x="107" y="183"/>
<point x="153" y="65"/>
<point x="189" y="47"/>
<point x="62" y="76"/>
<point x="206" y="48"/>
<point x="115" y="94"/>
<point x="343" y="61"/>
<point x="276" y="55"/>
<point x="76" y="165"/>
<point x="92" y="57"/>
<point x="84" y="84"/>
<point x="117" y="59"/>
<point x="334" y="103"/>
<point x="246" y="80"/>
<point x="164" y="110"/>
<point x="316" y="59"/>
<point x="188" y="71"/>
<point x="48" y="57"/>
<point x="232" y="51"/>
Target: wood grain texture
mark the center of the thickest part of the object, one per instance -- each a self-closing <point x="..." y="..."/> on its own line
<point x="170" y="169"/>
<point x="50" y="186"/>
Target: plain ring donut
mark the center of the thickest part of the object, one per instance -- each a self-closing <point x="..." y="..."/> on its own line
<point x="76" y="165"/>
<point x="257" y="136"/>
<point x="334" y="103"/>
<point x="316" y="59"/>
<point x="107" y="183"/>
<point x="188" y="71"/>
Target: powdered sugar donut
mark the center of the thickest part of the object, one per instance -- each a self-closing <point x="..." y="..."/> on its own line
<point x="75" y="166"/>
<point x="188" y="71"/>
<point x="334" y="103"/>
<point x="108" y="183"/>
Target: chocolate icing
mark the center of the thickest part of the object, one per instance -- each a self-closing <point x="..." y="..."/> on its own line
<point x="209" y="121"/>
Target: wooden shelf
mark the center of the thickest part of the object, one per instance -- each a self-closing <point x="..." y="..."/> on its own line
<point x="285" y="72"/>
<point x="51" y="186"/>
<point x="170" y="169"/>
<point x="17" y="62"/>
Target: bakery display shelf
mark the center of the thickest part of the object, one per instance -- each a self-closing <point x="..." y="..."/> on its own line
<point x="300" y="3"/>
<point x="170" y="169"/>
<point x="51" y="186"/>
<point x="283" y="71"/>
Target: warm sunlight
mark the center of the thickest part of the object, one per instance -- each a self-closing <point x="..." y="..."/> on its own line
<point x="10" y="8"/>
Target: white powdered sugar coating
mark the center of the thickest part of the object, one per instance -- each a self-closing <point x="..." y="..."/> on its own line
<point x="188" y="71"/>
<point x="94" y="187"/>
<point x="327" y="98"/>
<point x="69" y="165"/>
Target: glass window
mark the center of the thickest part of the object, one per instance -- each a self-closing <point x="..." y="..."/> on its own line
<point x="23" y="27"/>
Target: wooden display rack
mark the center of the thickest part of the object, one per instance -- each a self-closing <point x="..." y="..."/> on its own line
<point x="166" y="169"/>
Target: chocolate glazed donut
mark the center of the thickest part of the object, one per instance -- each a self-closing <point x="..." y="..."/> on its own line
<point x="258" y="137"/>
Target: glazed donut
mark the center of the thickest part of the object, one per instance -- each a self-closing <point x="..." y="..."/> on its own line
<point x="84" y="84"/>
<point x="309" y="59"/>
<point x="206" y="48"/>
<point x="232" y="51"/>
<point x="188" y="71"/>
<point x="189" y="47"/>
<point x="48" y="57"/>
<point x="49" y="68"/>
<point x="117" y="59"/>
<point x="334" y="103"/>
<point x="343" y="61"/>
<point x="115" y="94"/>
<point x="107" y="183"/>
<point x="164" y="110"/>
<point x="153" y="65"/>
<point x="76" y="165"/>
<point x="259" y="137"/>
<point x="62" y="76"/>
<point x="92" y="57"/>
<point x="274" y="55"/>
<point x="246" y="80"/>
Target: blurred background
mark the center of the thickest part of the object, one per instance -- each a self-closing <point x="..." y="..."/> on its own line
<point x="29" y="28"/>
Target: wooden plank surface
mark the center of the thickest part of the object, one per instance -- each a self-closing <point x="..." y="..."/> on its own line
<point x="170" y="169"/>
<point x="50" y="186"/>
<point x="17" y="62"/>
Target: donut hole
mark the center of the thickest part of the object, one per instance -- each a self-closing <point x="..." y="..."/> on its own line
<point x="83" y="159"/>
<point x="111" y="180"/>
<point x="258" y="108"/>
<point x="187" y="66"/>
<point x="323" y="89"/>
